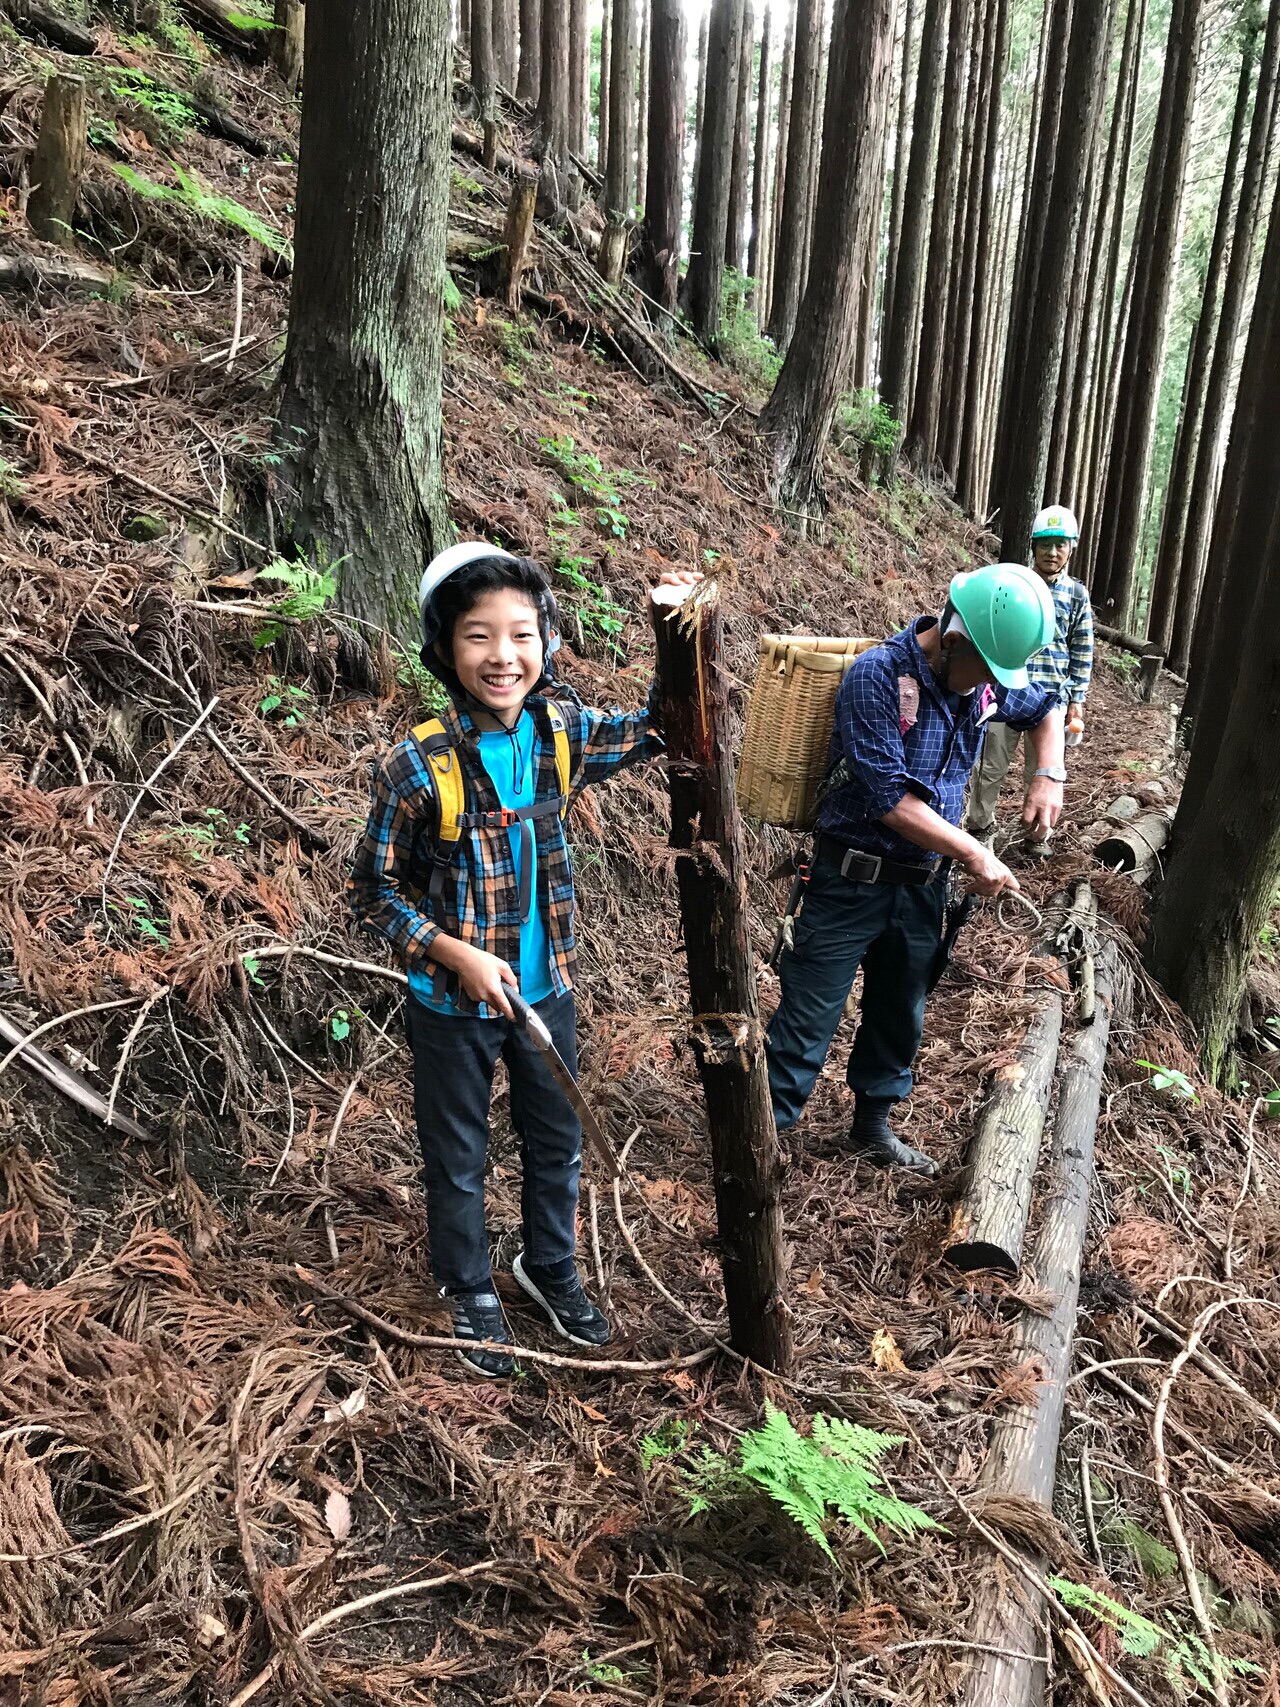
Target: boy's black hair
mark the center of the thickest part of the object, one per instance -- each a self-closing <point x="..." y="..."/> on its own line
<point x="466" y="587"/>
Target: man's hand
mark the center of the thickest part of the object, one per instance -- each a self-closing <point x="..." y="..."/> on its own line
<point x="685" y="579"/>
<point x="1042" y="807"/>
<point x="482" y="976"/>
<point x="986" y="873"/>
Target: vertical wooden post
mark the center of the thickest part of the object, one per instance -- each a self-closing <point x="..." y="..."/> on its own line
<point x="516" y="238"/>
<point x="58" y="164"/>
<point x="726" y="1034"/>
<point x="286" y="42"/>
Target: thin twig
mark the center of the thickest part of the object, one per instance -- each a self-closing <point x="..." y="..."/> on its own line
<point x="184" y="506"/>
<point x="1227" y="1261"/>
<point x="137" y="800"/>
<point x="324" y="1172"/>
<point x="239" y="320"/>
<point x="421" y="1586"/>
<point x="63" y="1019"/>
<point x="129" y="1041"/>
<point x="112" y="1534"/>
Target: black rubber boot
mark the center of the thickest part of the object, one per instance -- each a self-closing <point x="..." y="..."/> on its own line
<point x="873" y="1140"/>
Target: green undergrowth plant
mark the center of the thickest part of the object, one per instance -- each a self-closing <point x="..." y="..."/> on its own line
<point x="212" y="833"/>
<point x="585" y="471"/>
<point x="172" y="110"/>
<point x="193" y="194"/>
<point x="863" y="422"/>
<point x="1182" y="1656"/>
<point x="832" y="1472"/>
<point x="150" y="927"/>
<point x="742" y="347"/>
<point x="309" y="591"/>
<point x="1169" y="1079"/>
<point x="285" y="702"/>
<point x="595" y="612"/>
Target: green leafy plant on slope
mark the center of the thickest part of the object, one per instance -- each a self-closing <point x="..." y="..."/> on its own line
<point x="192" y="193"/>
<point x="1181" y="1655"/>
<point x="831" y="1472"/>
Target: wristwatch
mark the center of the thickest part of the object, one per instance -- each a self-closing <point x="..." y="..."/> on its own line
<point x="1055" y="773"/>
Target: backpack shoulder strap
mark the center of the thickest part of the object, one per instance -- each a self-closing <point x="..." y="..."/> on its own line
<point x="440" y="759"/>
<point x="560" y="735"/>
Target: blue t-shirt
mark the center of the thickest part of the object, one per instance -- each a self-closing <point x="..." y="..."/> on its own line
<point x="510" y="760"/>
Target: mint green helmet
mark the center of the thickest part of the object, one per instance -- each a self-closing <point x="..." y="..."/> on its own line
<point x="1008" y="613"/>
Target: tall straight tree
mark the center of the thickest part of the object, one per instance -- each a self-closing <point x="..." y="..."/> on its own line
<point x="699" y="106"/>
<point x="1157" y="242"/>
<point x="1223" y="874"/>
<point x="788" y="261"/>
<point x="896" y="365"/>
<point x="1189" y="620"/>
<point x="642" y="105"/>
<point x="505" y="40"/>
<point x="955" y="369"/>
<point x="1177" y="498"/>
<point x="660" y="237"/>
<point x="760" y="155"/>
<point x="798" y="416"/>
<point x="705" y="277"/>
<point x="619" y="172"/>
<point x="922" y="429"/>
<point x="579" y="75"/>
<point x="785" y="77"/>
<point x="484" y="76"/>
<point x="995" y="55"/>
<point x="602" y="111"/>
<point x="360" y="410"/>
<point x="557" y="185"/>
<point x="740" y="178"/>
<point x="902" y="135"/>
<point x="530" y="79"/>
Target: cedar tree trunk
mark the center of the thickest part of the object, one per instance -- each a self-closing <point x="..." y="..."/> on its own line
<point x="788" y="260"/>
<point x="705" y="277"/>
<point x="660" y="237"/>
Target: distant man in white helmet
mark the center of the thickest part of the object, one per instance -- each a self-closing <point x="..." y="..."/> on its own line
<point x="1064" y="668"/>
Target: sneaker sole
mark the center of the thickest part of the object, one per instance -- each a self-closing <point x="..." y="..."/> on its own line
<point x="484" y="1374"/>
<point x="527" y="1285"/>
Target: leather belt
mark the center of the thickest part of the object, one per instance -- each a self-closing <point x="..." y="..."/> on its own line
<point x="861" y="867"/>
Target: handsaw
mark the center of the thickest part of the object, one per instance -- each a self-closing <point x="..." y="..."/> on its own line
<point x="533" y="1023"/>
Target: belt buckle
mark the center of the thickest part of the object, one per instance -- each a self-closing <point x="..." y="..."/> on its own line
<point x="876" y="863"/>
<point x="506" y="817"/>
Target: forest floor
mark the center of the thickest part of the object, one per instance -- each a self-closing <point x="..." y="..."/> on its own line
<point x="200" y="1453"/>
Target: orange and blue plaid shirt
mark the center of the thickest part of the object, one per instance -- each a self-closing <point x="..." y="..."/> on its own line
<point x="480" y="905"/>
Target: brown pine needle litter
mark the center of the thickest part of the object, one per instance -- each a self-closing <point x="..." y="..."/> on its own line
<point x="196" y="1389"/>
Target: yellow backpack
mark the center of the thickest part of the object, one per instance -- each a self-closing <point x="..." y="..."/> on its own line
<point x="437" y="751"/>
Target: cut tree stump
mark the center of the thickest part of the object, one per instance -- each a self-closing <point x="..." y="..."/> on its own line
<point x="39" y="24"/>
<point x="286" y="42"/>
<point x="1135" y="847"/>
<point x="517" y="238"/>
<point x="1022" y="1458"/>
<point x="989" y="1222"/>
<point x="58" y="163"/>
<point x="726" y="1035"/>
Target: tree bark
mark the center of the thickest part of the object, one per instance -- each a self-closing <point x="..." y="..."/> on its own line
<point x="1134" y="848"/>
<point x="700" y="107"/>
<point x="902" y="136"/>
<point x="642" y="108"/>
<point x="286" y="42"/>
<point x="760" y="160"/>
<point x="726" y="1035"/>
<point x="484" y="76"/>
<point x="705" y="278"/>
<point x="994" y="65"/>
<point x="221" y="20"/>
<point x="1029" y="408"/>
<point x="464" y="26"/>
<point x="739" y="179"/>
<point x="955" y="371"/>
<point x="1193" y="627"/>
<point x="788" y="261"/>
<point x="785" y="75"/>
<point x="896" y="366"/>
<point x="517" y="237"/>
<point x="558" y="184"/>
<point x="505" y="41"/>
<point x="863" y="372"/>
<point x="1177" y="500"/>
<point x="360" y="411"/>
<point x="619" y="181"/>
<point x="57" y="165"/>
<point x="658" y="262"/>
<point x="1157" y="241"/>
<point x="922" y="430"/>
<point x="989" y="1222"/>
<point x="529" y="83"/>
<point x="1221" y="881"/>
<point x="579" y="73"/>
<point x="799" y="414"/>
<point x="1022" y="1459"/>
<point x="815" y="154"/>
<point x="602" y="111"/>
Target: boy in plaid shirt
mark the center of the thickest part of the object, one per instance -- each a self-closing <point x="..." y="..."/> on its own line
<point x="495" y="908"/>
<point x="1064" y="668"/>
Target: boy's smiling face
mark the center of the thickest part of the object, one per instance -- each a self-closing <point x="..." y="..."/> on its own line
<point x="497" y="652"/>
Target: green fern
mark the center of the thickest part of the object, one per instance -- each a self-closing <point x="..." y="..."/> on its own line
<point x="222" y="210"/>
<point x="309" y="593"/>
<point x="833" y="1467"/>
<point x="1181" y="1654"/>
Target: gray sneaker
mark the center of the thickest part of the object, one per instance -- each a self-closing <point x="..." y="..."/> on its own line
<point x="565" y="1302"/>
<point x="478" y="1316"/>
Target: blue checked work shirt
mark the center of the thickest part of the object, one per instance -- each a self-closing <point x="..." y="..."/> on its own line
<point x="900" y="733"/>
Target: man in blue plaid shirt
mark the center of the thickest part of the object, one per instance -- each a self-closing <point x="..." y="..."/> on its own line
<point x="1064" y="668"/>
<point x="908" y="723"/>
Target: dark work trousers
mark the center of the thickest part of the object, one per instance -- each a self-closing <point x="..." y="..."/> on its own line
<point x="454" y="1056"/>
<point x="891" y="930"/>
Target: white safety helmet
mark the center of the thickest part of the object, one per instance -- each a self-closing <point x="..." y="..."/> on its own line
<point x="449" y="562"/>
<point x="1056" y="522"/>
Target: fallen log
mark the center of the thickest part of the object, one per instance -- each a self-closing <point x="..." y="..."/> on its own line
<point x="989" y="1222"/>
<point x="35" y="271"/>
<point x="1024" y="1439"/>
<point x="219" y="122"/>
<point x="1126" y="642"/>
<point x="39" y="24"/>
<point x="1135" y="847"/>
<point x="726" y="1034"/>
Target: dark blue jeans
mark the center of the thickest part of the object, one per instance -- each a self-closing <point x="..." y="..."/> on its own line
<point x="454" y="1056"/>
<point x="891" y="930"/>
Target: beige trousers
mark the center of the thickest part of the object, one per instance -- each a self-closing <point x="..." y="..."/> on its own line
<point x="998" y="747"/>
